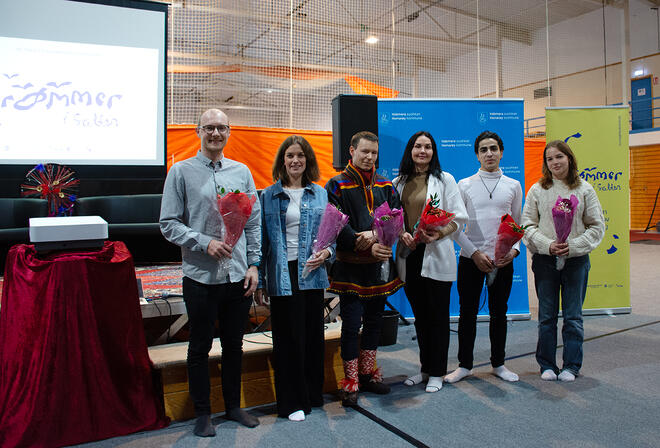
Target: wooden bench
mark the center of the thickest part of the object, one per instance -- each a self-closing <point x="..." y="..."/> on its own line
<point x="257" y="381"/>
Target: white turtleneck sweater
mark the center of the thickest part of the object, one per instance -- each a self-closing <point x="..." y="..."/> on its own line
<point x="588" y="226"/>
<point x="484" y="212"/>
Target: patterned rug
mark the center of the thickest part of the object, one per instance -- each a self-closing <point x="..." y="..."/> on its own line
<point x="156" y="280"/>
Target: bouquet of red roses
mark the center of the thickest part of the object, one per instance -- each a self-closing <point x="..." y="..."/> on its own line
<point x="387" y="226"/>
<point x="235" y="208"/>
<point x="332" y="223"/>
<point x="508" y="234"/>
<point x="432" y="217"/>
<point x="562" y="216"/>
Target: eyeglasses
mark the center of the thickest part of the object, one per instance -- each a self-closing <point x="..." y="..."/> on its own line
<point x="221" y="128"/>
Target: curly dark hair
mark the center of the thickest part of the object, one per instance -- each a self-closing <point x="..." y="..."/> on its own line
<point x="488" y="134"/>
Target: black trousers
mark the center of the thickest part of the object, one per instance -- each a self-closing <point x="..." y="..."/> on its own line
<point x="298" y="347"/>
<point x="429" y="300"/>
<point x="470" y="284"/>
<point x="355" y="311"/>
<point x="205" y="304"/>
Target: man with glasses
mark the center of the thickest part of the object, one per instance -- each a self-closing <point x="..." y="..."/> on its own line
<point x="189" y="218"/>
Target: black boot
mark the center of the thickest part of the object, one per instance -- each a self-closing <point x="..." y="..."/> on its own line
<point x="367" y="385"/>
<point x="348" y="399"/>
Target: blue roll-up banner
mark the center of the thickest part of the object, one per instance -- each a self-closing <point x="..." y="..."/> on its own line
<point x="454" y="124"/>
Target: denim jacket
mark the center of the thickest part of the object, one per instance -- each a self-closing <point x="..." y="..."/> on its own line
<point x="274" y="267"/>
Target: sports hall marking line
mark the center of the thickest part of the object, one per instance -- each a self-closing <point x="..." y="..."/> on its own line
<point x="413" y="441"/>
<point x="393" y="429"/>
<point x="593" y="338"/>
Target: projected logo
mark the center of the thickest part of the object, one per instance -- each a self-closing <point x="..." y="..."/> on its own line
<point x="93" y="102"/>
<point x="28" y="96"/>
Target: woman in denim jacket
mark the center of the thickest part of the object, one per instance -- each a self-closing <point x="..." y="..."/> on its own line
<point x="291" y="212"/>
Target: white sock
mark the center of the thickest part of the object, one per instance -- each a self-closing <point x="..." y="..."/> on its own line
<point x="565" y="375"/>
<point x="416" y="379"/>
<point x="297" y="416"/>
<point x="457" y="375"/>
<point x="505" y="374"/>
<point x="548" y="375"/>
<point x="434" y="384"/>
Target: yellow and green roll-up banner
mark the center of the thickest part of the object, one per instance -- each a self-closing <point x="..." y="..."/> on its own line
<point x="599" y="138"/>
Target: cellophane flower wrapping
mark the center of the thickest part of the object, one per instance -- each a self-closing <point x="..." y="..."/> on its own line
<point x="387" y="226"/>
<point x="562" y="216"/>
<point x="235" y="209"/>
<point x="332" y="223"/>
<point x="432" y="218"/>
<point x="508" y="234"/>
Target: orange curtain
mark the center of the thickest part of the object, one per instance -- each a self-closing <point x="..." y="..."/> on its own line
<point x="533" y="161"/>
<point x="364" y="87"/>
<point x="256" y="147"/>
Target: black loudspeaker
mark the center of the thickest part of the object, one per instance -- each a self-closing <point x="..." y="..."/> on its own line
<point x="351" y="114"/>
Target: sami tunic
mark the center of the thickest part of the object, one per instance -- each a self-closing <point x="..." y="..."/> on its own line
<point x="358" y="272"/>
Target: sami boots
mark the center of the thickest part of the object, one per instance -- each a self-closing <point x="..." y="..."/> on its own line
<point x="349" y="385"/>
<point x="371" y="377"/>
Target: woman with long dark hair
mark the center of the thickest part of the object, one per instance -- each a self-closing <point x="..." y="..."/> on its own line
<point x="561" y="179"/>
<point x="430" y="268"/>
<point x="292" y="211"/>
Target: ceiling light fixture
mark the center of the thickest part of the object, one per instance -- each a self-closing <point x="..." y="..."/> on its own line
<point x="371" y="40"/>
<point x="638" y="73"/>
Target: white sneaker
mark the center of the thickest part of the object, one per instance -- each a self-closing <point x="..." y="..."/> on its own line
<point x="549" y="375"/>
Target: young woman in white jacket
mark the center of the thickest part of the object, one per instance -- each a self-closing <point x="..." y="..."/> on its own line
<point x="428" y="267"/>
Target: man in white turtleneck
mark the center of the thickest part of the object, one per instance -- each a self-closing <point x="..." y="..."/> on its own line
<point x="488" y="195"/>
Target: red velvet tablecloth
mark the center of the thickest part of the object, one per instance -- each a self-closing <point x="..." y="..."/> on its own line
<point x="74" y="365"/>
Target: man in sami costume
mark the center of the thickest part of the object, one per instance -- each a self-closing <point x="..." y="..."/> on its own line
<point x="488" y="195"/>
<point x="358" y="191"/>
<point x="213" y="290"/>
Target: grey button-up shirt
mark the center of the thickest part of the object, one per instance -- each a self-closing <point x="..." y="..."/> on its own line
<point x="189" y="217"/>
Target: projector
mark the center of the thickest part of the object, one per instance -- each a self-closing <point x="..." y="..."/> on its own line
<point x="68" y="232"/>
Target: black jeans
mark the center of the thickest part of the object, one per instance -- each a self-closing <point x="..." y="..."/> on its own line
<point x="470" y="284"/>
<point x="298" y="347"/>
<point x="353" y="311"/>
<point x="429" y="300"/>
<point x="205" y="304"/>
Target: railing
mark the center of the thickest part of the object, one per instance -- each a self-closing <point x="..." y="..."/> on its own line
<point x="535" y="129"/>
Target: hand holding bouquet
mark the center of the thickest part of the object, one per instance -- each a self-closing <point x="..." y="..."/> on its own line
<point x="387" y="226"/>
<point x="332" y="223"/>
<point x="235" y="208"/>
<point x="432" y="218"/>
<point x="508" y="234"/>
<point x="562" y="217"/>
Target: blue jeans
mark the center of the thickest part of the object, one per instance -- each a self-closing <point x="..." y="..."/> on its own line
<point x="572" y="283"/>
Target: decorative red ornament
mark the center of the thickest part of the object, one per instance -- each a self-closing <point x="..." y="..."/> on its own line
<point x="55" y="183"/>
